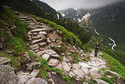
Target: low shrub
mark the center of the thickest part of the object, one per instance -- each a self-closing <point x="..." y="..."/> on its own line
<point x="44" y="63"/>
<point x="107" y="80"/>
<point x="43" y="74"/>
<point x="76" y="57"/>
<point x="31" y="54"/>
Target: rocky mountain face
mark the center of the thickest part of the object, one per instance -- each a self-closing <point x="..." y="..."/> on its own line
<point x="74" y="14"/>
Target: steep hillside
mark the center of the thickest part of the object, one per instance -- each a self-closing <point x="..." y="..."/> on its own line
<point x="50" y="54"/>
<point x="29" y="7"/>
<point x="46" y="8"/>
<point x="107" y="26"/>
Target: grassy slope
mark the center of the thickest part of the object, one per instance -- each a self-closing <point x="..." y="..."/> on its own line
<point x="12" y="39"/>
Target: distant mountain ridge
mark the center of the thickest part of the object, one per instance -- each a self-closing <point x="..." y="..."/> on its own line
<point x="75" y="14"/>
<point x="108" y="20"/>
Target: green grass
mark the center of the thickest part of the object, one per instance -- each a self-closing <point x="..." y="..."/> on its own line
<point x="44" y="63"/>
<point x="114" y="65"/>
<point x="9" y="20"/>
<point x="66" y="78"/>
<point x="43" y="74"/>
<point x="59" y="50"/>
<point x="76" y="57"/>
<point x="31" y="54"/>
<point x="18" y="45"/>
<point x="70" y="37"/>
<point x="107" y="80"/>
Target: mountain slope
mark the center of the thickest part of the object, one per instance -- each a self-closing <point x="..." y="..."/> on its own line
<point x="46" y="8"/>
<point x="48" y="46"/>
<point x="74" y="14"/>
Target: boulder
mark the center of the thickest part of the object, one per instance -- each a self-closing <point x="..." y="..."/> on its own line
<point x="85" y="70"/>
<point x="66" y="67"/>
<point x="75" y="66"/>
<point x="33" y="64"/>
<point x="50" y="81"/>
<point x="52" y="53"/>
<point x="71" y="74"/>
<point x="23" y="77"/>
<point x="4" y="60"/>
<point x="84" y="65"/>
<point x="60" y="66"/>
<point x="79" y="73"/>
<point x="34" y="47"/>
<point x="99" y="81"/>
<point x="36" y="41"/>
<point x="7" y="75"/>
<point x="46" y="56"/>
<point x="36" y="81"/>
<point x="39" y="53"/>
<point x="94" y="72"/>
<point x="53" y="62"/>
<point x="48" y="40"/>
<point x="65" y="59"/>
<point x="34" y="73"/>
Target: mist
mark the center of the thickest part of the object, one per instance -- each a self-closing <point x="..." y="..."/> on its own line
<point x="86" y="4"/>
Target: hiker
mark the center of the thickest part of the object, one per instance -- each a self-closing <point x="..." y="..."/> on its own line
<point x="96" y="48"/>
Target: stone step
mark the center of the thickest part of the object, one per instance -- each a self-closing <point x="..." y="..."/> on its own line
<point x="38" y="30"/>
<point x="43" y="32"/>
<point x="34" y="47"/>
<point x="38" y="37"/>
<point x="42" y="44"/>
<point x="4" y="60"/>
<point x="39" y="53"/>
<point x="36" y="41"/>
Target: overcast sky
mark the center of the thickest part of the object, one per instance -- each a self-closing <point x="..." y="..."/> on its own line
<point x="87" y="4"/>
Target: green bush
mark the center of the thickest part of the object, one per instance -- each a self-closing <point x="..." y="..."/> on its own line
<point x="44" y="63"/>
<point x="56" y="49"/>
<point x="67" y="79"/>
<point x="107" y="80"/>
<point x="76" y="57"/>
<point x="43" y="73"/>
<point x="57" y="71"/>
<point x="31" y="54"/>
<point x="15" y="62"/>
<point x="59" y="50"/>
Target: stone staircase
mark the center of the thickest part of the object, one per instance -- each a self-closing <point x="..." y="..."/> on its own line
<point x="40" y="43"/>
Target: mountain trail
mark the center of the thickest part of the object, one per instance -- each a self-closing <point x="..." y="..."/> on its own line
<point x="42" y="39"/>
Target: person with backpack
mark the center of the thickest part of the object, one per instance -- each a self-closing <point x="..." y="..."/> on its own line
<point x="96" y="48"/>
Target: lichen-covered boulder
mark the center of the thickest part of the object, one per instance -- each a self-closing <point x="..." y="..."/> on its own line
<point x="7" y="75"/>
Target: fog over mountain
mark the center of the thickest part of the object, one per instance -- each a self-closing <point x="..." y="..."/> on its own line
<point x="86" y="4"/>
